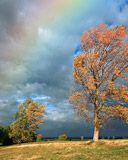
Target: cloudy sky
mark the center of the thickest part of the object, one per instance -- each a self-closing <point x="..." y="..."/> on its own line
<point x="38" y="40"/>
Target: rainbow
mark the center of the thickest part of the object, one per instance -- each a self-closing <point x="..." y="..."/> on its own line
<point x="46" y="14"/>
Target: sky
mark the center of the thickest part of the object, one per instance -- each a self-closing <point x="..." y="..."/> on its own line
<point x="38" y="40"/>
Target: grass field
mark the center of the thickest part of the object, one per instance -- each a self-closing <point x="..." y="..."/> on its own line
<point x="79" y="150"/>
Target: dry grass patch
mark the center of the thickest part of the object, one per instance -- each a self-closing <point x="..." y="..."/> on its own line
<point x="104" y="150"/>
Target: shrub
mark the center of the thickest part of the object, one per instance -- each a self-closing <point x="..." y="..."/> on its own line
<point x="39" y="137"/>
<point x="4" y="136"/>
<point x="62" y="137"/>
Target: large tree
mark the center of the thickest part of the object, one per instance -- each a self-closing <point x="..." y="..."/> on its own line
<point x="101" y="76"/>
<point x="28" y="117"/>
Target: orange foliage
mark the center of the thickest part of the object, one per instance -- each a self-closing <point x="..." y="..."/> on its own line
<point x="28" y="117"/>
<point x="101" y="72"/>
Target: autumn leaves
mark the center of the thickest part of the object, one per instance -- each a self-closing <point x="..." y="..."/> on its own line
<point x="100" y="73"/>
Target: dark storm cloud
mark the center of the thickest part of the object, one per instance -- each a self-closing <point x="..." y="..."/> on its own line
<point x="8" y="19"/>
<point x="53" y="71"/>
<point x="78" y="128"/>
<point x="7" y="110"/>
<point x="8" y="14"/>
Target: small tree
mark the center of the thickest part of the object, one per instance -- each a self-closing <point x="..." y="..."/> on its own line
<point x="39" y="138"/>
<point x="63" y="137"/>
<point x="28" y="117"/>
<point x="101" y="76"/>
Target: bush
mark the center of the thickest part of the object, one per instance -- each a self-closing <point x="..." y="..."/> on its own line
<point x="4" y="136"/>
<point x="63" y="137"/>
<point x="39" y="138"/>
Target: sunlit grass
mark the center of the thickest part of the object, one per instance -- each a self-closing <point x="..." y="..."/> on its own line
<point x="79" y="150"/>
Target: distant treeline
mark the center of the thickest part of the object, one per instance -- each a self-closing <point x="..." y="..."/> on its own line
<point x="85" y="138"/>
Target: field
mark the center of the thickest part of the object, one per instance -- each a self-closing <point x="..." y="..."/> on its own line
<point x="67" y="150"/>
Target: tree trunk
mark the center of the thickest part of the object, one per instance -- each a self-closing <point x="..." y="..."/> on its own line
<point x="96" y="126"/>
<point x="96" y="134"/>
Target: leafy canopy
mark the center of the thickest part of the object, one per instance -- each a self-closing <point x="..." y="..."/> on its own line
<point x="101" y="74"/>
<point x="28" y="117"/>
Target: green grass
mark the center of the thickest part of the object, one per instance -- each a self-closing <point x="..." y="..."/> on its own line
<point x="104" y="150"/>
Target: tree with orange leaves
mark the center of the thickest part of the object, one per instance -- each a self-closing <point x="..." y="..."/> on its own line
<point x="101" y="76"/>
<point x="28" y="117"/>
